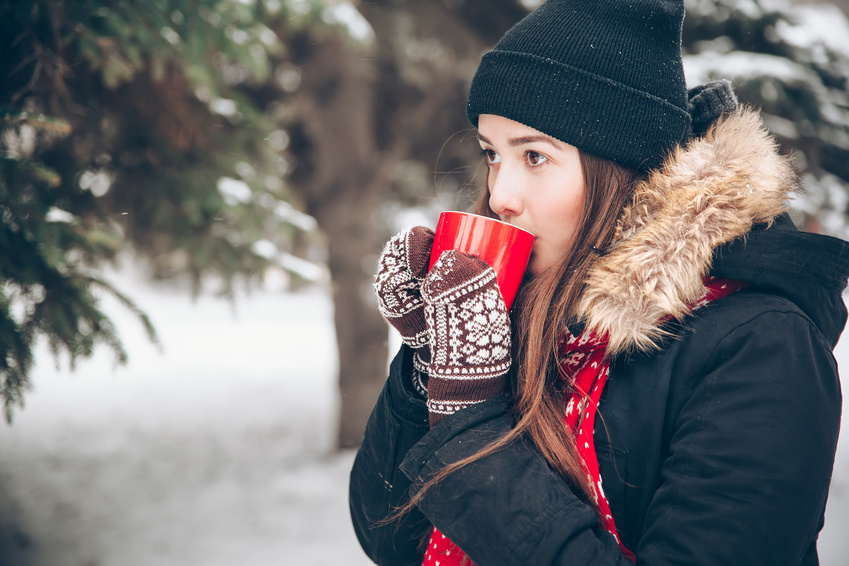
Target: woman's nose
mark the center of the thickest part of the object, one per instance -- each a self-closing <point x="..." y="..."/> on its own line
<point x="504" y="195"/>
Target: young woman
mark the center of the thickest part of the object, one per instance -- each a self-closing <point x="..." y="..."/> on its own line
<point x="664" y="388"/>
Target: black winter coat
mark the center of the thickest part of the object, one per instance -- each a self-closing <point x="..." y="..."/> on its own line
<point x="715" y="448"/>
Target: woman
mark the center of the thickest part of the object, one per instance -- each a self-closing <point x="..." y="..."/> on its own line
<point x="673" y="338"/>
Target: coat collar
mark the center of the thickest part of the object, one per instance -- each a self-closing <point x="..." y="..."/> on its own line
<point x="707" y="193"/>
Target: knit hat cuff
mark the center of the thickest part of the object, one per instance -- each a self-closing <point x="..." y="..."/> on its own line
<point x="592" y="112"/>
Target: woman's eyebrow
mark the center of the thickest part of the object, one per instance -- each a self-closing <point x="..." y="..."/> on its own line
<point x="525" y="140"/>
<point x="531" y="139"/>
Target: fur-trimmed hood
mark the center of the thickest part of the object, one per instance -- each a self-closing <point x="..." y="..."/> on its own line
<point x="708" y="193"/>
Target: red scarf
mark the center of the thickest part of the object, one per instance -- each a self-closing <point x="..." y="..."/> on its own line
<point x="583" y="364"/>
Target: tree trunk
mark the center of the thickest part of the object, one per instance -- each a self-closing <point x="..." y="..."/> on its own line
<point x="361" y="333"/>
<point x="342" y="188"/>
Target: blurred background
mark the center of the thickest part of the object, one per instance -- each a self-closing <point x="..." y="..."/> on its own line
<point x="193" y="197"/>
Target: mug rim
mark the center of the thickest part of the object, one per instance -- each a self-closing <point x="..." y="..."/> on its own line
<point x="473" y="215"/>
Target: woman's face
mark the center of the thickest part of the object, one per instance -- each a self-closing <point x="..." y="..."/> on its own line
<point x="535" y="182"/>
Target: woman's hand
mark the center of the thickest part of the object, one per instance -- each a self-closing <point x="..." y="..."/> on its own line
<point x="400" y="270"/>
<point x="402" y="266"/>
<point x="469" y="333"/>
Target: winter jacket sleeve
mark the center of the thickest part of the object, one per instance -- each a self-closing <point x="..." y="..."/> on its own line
<point x="744" y="480"/>
<point x="509" y="507"/>
<point x="377" y="487"/>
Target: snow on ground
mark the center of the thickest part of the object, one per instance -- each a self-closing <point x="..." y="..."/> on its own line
<point x="215" y="451"/>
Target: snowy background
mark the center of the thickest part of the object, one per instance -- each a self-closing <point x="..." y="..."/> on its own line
<point x="216" y="450"/>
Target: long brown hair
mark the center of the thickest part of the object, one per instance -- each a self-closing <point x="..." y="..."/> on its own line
<point x="548" y="303"/>
<point x="545" y="305"/>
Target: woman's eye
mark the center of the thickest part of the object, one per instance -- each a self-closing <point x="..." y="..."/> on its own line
<point x="491" y="157"/>
<point x="533" y="158"/>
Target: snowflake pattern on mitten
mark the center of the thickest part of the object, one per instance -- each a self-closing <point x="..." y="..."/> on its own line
<point x="469" y="333"/>
<point x="397" y="284"/>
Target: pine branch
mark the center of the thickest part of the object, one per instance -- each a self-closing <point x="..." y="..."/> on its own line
<point x="127" y="302"/>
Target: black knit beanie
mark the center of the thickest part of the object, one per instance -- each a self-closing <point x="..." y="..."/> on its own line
<point x="602" y="75"/>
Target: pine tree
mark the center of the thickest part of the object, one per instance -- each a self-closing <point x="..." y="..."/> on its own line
<point x="123" y="124"/>
<point x="194" y="131"/>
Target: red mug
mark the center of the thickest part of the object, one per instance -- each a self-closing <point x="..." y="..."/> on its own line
<point x="505" y="247"/>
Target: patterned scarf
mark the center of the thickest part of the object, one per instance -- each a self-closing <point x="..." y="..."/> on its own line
<point x="583" y="364"/>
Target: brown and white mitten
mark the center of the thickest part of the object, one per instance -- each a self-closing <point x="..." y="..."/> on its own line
<point x="469" y="333"/>
<point x="397" y="284"/>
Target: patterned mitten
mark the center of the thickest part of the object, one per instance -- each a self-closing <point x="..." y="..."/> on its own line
<point x="469" y="333"/>
<point x="400" y="271"/>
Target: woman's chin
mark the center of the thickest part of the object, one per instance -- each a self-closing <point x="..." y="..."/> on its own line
<point x="536" y="265"/>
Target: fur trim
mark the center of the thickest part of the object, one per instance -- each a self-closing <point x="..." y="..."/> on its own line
<point x="707" y="193"/>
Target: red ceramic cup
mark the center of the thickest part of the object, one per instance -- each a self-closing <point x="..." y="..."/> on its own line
<point x="503" y="246"/>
